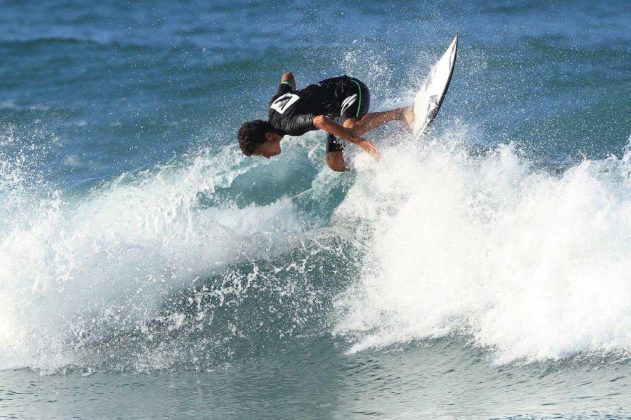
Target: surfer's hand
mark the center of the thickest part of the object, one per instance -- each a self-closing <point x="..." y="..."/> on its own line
<point x="322" y="122"/>
<point x="370" y="148"/>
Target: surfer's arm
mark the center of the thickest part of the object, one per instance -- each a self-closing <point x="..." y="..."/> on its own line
<point x="324" y="123"/>
<point x="288" y="79"/>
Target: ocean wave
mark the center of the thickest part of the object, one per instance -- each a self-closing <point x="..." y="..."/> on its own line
<point x="88" y="280"/>
<point x="212" y="256"/>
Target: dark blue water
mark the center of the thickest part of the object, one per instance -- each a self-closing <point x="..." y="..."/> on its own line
<point x="148" y="268"/>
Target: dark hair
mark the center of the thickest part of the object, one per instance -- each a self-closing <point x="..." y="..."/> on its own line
<point x="252" y="133"/>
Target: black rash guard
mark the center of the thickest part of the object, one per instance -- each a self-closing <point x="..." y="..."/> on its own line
<point x="292" y="112"/>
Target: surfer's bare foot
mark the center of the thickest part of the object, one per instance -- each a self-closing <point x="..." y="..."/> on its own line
<point x="408" y="115"/>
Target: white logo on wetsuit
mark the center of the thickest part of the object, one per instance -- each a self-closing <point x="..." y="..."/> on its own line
<point x="283" y="102"/>
<point x="348" y="102"/>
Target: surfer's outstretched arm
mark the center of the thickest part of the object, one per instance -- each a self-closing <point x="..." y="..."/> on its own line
<point x="324" y="123"/>
<point x="375" y="119"/>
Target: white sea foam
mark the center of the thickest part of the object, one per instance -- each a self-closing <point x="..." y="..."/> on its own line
<point x="531" y="265"/>
<point x="127" y="243"/>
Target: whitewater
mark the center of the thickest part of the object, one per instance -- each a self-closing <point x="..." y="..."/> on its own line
<point x="526" y="263"/>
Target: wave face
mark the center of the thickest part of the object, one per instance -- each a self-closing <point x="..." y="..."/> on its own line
<point x="165" y="267"/>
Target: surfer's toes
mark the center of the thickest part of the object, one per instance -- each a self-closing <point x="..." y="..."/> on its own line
<point x="408" y="114"/>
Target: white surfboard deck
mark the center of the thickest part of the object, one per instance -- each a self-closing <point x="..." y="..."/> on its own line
<point x="430" y="96"/>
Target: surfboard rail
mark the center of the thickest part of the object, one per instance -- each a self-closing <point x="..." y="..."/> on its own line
<point x="431" y="95"/>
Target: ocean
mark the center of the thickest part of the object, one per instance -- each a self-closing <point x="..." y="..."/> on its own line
<point x="148" y="269"/>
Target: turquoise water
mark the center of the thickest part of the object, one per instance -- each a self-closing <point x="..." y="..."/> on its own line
<point x="148" y="269"/>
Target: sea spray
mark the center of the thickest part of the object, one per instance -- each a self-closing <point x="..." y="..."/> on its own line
<point x="438" y="238"/>
<point x="529" y="264"/>
<point x="84" y="268"/>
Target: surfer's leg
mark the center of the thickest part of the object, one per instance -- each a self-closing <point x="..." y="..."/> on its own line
<point x="355" y="106"/>
<point x="335" y="154"/>
<point x="375" y="119"/>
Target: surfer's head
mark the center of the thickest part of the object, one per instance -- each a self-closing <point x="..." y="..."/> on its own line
<point x="258" y="138"/>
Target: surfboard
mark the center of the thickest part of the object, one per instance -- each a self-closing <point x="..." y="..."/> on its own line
<point x="430" y="96"/>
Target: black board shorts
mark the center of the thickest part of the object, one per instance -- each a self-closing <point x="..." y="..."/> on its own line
<point x="354" y="103"/>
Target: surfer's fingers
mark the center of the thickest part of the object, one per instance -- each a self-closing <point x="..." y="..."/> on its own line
<point x="371" y="149"/>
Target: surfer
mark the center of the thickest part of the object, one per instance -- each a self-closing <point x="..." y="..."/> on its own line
<point x="338" y="105"/>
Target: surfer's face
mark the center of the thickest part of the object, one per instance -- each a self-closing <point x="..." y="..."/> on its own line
<point x="271" y="146"/>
